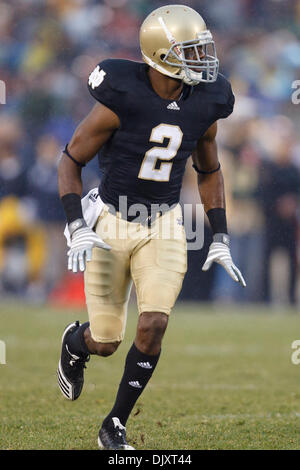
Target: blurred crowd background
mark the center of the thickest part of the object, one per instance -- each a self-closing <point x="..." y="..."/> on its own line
<point x="47" y="50"/>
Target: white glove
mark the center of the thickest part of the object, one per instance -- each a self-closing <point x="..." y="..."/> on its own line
<point x="83" y="240"/>
<point x="219" y="252"/>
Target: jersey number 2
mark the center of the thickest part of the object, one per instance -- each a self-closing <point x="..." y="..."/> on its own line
<point x="149" y="169"/>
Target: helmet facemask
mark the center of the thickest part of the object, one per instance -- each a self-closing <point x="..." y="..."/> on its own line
<point x="194" y="70"/>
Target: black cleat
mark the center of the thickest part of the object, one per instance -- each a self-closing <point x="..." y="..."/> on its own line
<point x="113" y="436"/>
<point x="70" y="367"/>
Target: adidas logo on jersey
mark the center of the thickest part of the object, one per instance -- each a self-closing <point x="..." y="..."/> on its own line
<point x="174" y="106"/>
<point x="135" y="384"/>
<point x="144" y="365"/>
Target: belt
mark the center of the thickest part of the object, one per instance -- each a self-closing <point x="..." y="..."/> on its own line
<point x="144" y="219"/>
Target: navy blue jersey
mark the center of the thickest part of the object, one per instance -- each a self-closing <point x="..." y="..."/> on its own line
<point x="145" y="158"/>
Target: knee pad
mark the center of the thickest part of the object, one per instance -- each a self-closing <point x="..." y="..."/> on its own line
<point x="107" y="326"/>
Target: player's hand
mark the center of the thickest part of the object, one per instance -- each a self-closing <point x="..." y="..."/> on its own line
<point x="83" y="240"/>
<point x="219" y="252"/>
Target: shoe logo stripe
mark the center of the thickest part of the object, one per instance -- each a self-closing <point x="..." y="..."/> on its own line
<point x="64" y="385"/>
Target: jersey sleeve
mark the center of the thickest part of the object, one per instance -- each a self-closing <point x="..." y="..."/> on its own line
<point x="102" y="87"/>
<point x="226" y="108"/>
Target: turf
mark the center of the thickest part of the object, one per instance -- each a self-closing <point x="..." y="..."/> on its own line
<point x="225" y="380"/>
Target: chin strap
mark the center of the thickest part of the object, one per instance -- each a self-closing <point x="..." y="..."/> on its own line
<point x="190" y="82"/>
<point x="187" y="79"/>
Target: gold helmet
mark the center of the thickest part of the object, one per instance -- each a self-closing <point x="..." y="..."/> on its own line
<point x="169" y="35"/>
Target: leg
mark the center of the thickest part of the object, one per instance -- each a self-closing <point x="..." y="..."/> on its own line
<point x="107" y="287"/>
<point x="82" y="343"/>
<point x="107" y="283"/>
<point x="140" y="363"/>
<point x="101" y="349"/>
<point x="150" y="331"/>
<point x="157" y="268"/>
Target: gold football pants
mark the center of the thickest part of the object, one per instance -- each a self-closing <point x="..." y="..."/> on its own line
<point x="153" y="257"/>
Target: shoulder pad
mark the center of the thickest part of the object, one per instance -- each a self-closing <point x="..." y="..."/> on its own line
<point x="219" y="93"/>
<point x="110" y="79"/>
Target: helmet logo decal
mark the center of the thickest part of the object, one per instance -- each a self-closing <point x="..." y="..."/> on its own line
<point x="170" y="37"/>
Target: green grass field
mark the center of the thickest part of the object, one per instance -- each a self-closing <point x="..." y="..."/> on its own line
<point x="224" y="381"/>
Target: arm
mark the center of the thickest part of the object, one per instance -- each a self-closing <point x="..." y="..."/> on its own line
<point x="88" y="138"/>
<point x="211" y="190"/>
<point x="210" y="182"/>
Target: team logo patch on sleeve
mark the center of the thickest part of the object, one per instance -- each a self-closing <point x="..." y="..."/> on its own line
<point x="96" y="77"/>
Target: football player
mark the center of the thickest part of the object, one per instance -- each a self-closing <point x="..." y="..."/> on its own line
<point x="150" y="117"/>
